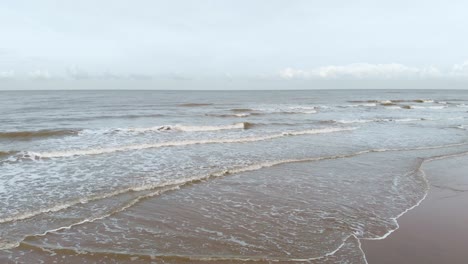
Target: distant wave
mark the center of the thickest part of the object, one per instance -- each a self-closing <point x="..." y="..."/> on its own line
<point x="288" y="110"/>
<point x="423" y="101"/>
<point x="15" y="156"/>
<point x="30" y="135"/>
<point x="381" y="120"/>
<point x="300" y="110"/>
<point x="7" y="153"/>
<point x="26" y="135"/>
<point x="403" y="104"/>
<point x="242" y="110"/>
<point x="427" y="107"/>
<point x="242" y="125"/>
<point x="394" y="101"/>
<point x="130" y="116"/>
<point x="235" y="115"/>
<point x="97" y="151"/>
<point x="377" y="120"/>
<point x="361" y="105"/>
<point x="195" y="104"/>
<point x="98" y="117"/>
<point x="268" y="110"/>
<point x="395" y="106"/>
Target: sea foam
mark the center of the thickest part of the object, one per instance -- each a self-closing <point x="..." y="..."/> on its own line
<point x="97" y="151"/>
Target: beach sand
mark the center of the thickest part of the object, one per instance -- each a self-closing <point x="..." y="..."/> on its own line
<point x="437" y="230"/>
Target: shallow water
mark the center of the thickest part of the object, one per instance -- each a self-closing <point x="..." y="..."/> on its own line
<point x="221" y="177"/>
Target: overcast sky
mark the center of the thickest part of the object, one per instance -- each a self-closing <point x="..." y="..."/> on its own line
<point x="220" y="40"/>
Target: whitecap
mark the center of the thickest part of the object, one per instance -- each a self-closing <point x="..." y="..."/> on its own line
<point x="97" y="151"/>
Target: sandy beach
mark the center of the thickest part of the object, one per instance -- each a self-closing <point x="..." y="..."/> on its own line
<point x="436" y="231"/>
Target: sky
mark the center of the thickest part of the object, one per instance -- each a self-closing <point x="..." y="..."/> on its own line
<point x="240" y="44"/>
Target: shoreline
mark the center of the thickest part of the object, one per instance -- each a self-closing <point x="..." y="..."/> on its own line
<point x="373" y="254"/>
<point x="434" y="230"/>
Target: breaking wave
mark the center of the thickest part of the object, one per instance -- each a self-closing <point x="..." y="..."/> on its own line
<point x="427" y="107"/>
<point x="242" y="125"/>
<point x="7" y="153"/>
<point x="97" y="151"/>
<point x="177" y="184"/>
<point x="27" y="135"/>
<point x="394" y="101"/>
<point x="241" y="114"/>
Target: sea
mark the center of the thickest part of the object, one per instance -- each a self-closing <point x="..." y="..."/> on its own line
<point x="215" y="176"/>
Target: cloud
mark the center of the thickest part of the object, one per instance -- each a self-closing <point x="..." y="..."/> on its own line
<point x="79" y="74"/>
<point x="40" y="75"/>
<point x="7" y="75"/>
<point x="460" y="70"/>
<point x="361" y="71"/>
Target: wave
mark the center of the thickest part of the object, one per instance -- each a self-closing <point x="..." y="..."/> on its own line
<point x="181" y="128"/>
<point x="378" y="120"/>
<point x="242" y="114"/>
<point x="394" y="101"/>
<point x="15" y="156"/>
<point x="242" y="125"/>
<point x="60" y="207"/>
<point x="7" y="153"/>
<point x="195" y="104"/>
<point x="111" y="255"/>
<point x="423" y="101"/>
<point x="129" y="257"/>
<point x="286" y="109"/>
<point x="382" y="120"/>
<point x="131" y="116"/>
<point x="177" y="184"/>
<point x="289" y="110"/>
<point x="97" y="151"/>
<point x="395" y="106"/>
<point x="234" y="115"/>
<point x="361" y="105"/>
<point x="242" y="110"/>
<point x="300" y="110"/>
<point x="399" y="102"/>
<point x="95" y="118"/>
<point x="27" y="135"/>
<point x="427" y="107"/>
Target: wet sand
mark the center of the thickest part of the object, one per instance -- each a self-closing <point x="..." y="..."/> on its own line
<point x="437" y="230"/>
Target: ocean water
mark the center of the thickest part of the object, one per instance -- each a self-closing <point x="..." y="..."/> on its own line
<point x="215" y="177"/>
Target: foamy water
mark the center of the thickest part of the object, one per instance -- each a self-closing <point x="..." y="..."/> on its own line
<point x="218" y="177"/>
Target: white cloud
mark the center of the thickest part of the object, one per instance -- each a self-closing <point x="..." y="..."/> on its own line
<point x="79" y="74"/>
<point x="40" y="75"/>
<point x="362" y="71"/>
<point x="460" y="70"/>
<point x="7" y="74"/>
